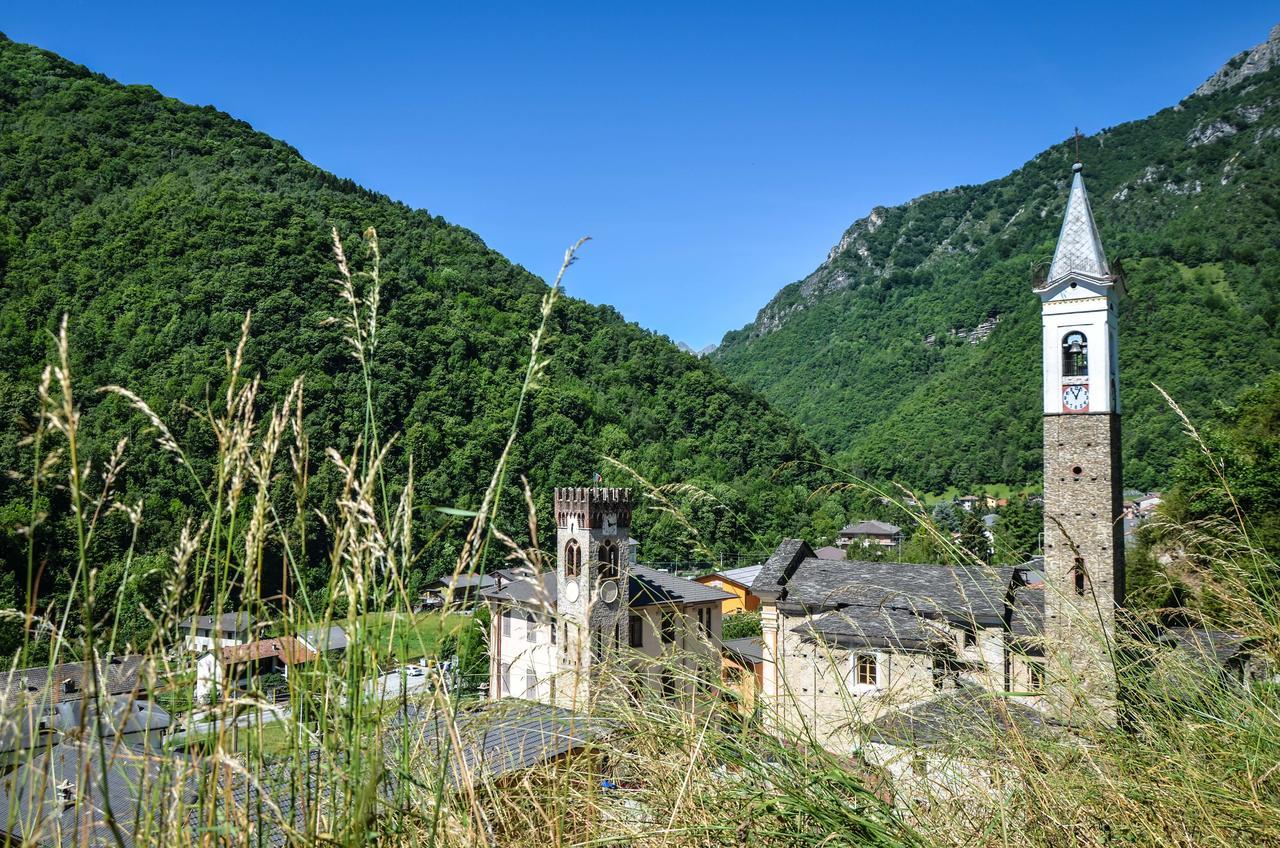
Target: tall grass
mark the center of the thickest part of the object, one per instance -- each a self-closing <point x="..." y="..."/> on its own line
<point x="1195" y="762"/>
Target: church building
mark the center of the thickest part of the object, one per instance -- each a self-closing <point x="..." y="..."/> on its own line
<point x="555" y="635"/>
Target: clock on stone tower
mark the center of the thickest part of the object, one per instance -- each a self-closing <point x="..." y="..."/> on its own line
<point x="1083" y="481"/>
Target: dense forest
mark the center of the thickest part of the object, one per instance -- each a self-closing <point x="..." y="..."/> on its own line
<point x="876" y="353"/>
<point x="155" y="226"/>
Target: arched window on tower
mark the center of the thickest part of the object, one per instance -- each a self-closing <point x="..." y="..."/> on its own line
<point x="608" y="561"/>
<point x="1075" y="355"/>
<point x="1078" y="576"/>
<point x="572" y="558"/>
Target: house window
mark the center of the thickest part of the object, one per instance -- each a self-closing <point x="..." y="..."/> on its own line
<point x="1077" y="572"/>
<point x="1035" y="676"/>
<point x="635" y="627"/>
<point x="668" y="628"/>
<point x="572" y="558"/>
<point x="608" y="561"/>
<point x="553" y="631"/>
<point x="867" y="671"/>
<point x="530" y="684"/>
<point x="506" y="623"/>
<point x="970" y="639"/>
<point x="668" y="683"/>
<point x="1075" y="355"/>
<point x="504" y="682"/>
<point x="531" y="628"/>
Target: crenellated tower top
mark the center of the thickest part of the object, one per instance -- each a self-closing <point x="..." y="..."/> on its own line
<point x="586" y="506"/>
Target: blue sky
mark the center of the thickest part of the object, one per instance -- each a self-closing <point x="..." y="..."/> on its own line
<point x="714" y="151"/>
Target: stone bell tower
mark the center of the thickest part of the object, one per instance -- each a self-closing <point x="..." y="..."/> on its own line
<point x="592" y="567"/>
<point x="1083" y="482"/>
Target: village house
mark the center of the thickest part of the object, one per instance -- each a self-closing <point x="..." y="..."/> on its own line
<point x="552" y="634"/>
<point x="236" y="664"/>
<point x="867" y="533"/>
<point x="737" y="583"/>
<point x="209" y="632"/>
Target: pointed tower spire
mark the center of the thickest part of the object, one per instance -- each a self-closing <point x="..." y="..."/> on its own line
<point x="1079" y="247"/>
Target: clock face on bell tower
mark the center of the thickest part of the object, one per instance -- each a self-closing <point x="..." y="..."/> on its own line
<point x="1075" y="398"/>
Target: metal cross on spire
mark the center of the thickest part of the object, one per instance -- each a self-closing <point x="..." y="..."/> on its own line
<point x="1077" y="145"/>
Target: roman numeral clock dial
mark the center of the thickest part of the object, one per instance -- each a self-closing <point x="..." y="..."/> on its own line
<point x="1075" y="398"/>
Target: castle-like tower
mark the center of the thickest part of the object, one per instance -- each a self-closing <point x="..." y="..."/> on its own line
<point x="592" y="569"/>
<point x="1083" y="519"/>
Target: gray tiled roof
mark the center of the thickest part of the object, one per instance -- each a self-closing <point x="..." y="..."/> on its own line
<point x="778" y="568"/>
<point x="1027" y="618"/>
<point x="651" y="586"/>
<point x="742" y="576"/>
<point x="526" y="590"/>
<point x="967" y="714"/>
<point x="1218" y="646"/>
<point x="38" y="799"/>
<point x="226" y="622"/>
<point x="461" y="582"/>
<point x="158" y="791"/>
<point x="499" y="738"/>
<point x="646" y="586"/>
<point x="959" y="593"/>
<point x="750" y="648"/>
<point x="116" y="676"/>
<point x="322" y="639"/>
<point x="857" y="626"/>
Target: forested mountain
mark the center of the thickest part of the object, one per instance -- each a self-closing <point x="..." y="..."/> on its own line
<point x="913" y="351"/>
<point x="155" y="226"/>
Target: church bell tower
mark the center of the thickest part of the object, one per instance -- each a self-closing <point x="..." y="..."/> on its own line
<point x="592" y="569"/>
<point x="1083" y="483"/>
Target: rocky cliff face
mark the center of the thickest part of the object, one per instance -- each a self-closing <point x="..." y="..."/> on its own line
<point x="1244" y="65"/>
<point x="865" y="254"/>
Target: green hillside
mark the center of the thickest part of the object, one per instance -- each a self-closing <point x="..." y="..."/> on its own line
<point x="872" y="353"/>
<point x="157" y="225"/>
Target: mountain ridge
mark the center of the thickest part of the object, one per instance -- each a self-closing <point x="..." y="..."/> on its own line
<point x="1191" y="189"/>
<point x="156" y="226"/>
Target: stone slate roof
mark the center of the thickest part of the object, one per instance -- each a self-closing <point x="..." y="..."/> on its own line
<point x="646" y="586"/>
<point x="857" y="626"/>
<point x="968" y="713"/>
<point x="1027" y="618"/>
<point x="1218" y="646"/>
<point x="957" y="593"/>
<point x="778" y="568"/>
<point x="750" y="648"/>
<point x="830" y="552"/>
<point x="116" y="676"/>
<point x="870" y="528"/>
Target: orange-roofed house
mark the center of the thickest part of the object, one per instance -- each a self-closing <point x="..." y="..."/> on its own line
<point x="239" y="662"/>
